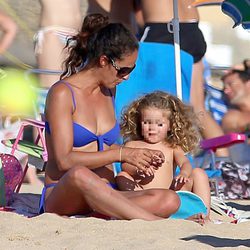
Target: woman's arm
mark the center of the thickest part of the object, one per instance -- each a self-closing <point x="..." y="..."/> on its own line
<point x="59" y="115"/>
<point x="59" y="110"/>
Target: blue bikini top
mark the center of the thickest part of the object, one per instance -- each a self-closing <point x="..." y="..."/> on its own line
<point x="82" y="136"/>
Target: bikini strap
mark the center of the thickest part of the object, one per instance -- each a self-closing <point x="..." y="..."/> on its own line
<point x="72" y="92"/>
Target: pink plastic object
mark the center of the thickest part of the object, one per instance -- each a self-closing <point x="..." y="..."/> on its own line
<point x="39" y="125"/>
<point x="222" y="141"/>
<point x="13" y="172"/>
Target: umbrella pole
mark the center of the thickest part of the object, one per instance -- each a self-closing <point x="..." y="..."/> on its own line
<point x="175" y="23"/>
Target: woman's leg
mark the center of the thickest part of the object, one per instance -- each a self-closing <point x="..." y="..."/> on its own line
<point x="81" y="191"/>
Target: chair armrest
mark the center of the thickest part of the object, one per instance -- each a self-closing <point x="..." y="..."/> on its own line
<point x="33" y="122"/>
<point x="222" y="141"/>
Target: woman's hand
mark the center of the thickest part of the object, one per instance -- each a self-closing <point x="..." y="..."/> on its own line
<point x="144" y="160"/>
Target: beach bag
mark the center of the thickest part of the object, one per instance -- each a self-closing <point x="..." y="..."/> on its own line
<point x="10" y="176"/>
<point x="236" y="180"/>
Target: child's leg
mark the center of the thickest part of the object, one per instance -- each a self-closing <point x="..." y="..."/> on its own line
<point x="126" y="182"/>
<point x="199" y="184"/>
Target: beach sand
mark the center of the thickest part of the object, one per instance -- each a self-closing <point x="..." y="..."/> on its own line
<point x="49" y="231"/>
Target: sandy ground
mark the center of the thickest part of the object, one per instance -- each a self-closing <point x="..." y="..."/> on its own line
<point x="49" y="231"/>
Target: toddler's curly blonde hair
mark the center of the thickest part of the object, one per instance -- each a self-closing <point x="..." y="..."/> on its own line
<point x="184" y="124"/>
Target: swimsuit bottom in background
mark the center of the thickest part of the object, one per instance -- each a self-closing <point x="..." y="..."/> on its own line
<point x="191" y="37"/>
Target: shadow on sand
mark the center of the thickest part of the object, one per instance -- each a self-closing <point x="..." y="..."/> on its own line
<point x="219" y="242"/>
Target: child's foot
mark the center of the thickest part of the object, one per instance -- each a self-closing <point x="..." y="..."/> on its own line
<point x="198" y="218"/>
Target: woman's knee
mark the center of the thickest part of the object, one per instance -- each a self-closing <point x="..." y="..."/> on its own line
<point x="167" y="202"/>
<point x="81" y="177"/>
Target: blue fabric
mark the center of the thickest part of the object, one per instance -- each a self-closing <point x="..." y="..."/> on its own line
<point x="82" y="136"/>
<point x="42" y="198"/>
<point x="215" y="100"/>
<point x="191" y="204"/>
<point x="155" y="70"/>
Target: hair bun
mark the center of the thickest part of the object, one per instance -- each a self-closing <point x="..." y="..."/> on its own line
<point x="93" y="23"/>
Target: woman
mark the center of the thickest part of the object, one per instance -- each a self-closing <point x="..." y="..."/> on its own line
<point x="156" y="17"/>
<point x="81" y="130"/>
<point x="59" y="20"/>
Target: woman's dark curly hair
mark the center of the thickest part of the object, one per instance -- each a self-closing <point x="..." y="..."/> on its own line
<point x="184" y="124"/>
<point x="97" y="37"/>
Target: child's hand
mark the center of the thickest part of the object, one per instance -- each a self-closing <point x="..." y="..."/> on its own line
<point x="148" y="171"/>
<point x="181" y="178"/>
<point x="158" y="159"/>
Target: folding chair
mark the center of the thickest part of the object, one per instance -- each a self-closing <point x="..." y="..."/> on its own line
<point x="37" y="152"/>
<point x="211" y="145"/>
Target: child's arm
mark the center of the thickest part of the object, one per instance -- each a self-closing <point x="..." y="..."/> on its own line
<point x="182" y="161"/>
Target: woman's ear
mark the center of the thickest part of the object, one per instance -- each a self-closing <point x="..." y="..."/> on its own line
<point x="103" y="61"/>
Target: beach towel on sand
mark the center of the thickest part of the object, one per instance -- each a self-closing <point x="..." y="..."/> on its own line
<point x="191" y="204"/>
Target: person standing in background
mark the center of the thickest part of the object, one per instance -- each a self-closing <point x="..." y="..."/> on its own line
<point x="117" y="11"/>
<point x="9" y="29"/>
<point x="156" y="18"/>
<point x="59" y="20"/>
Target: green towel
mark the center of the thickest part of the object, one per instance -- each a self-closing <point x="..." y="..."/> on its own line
<point x="26" y="147"/>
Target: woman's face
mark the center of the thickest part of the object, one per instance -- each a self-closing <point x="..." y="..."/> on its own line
<point x="155" y="125"/>
<point x="119" y="70"/>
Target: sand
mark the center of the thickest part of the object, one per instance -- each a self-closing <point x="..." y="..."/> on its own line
<point x="49" y="231"/>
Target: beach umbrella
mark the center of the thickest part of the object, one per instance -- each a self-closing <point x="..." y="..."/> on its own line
<point x="239" y="11"/>
<point x="198" y="3"/>
<point x="175" y="23"/>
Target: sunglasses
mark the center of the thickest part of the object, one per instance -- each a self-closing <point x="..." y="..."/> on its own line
<point x="121" y="72"/>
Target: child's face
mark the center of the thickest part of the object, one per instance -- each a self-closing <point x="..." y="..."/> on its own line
<point x="155" y="125"/>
